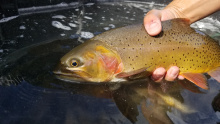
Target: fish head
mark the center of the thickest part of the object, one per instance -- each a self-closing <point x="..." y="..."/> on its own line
<point x="91" y="61"/>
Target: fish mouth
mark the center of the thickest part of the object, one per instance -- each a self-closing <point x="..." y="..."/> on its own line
<point x="58" y="72"/>
<point x="69" y="77"/>
<point x="62" y="73"/>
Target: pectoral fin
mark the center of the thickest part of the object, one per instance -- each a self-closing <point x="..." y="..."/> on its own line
<point x="215" y="74"/>
<point x="197" y="78"/>
<point x="128" y="74"/>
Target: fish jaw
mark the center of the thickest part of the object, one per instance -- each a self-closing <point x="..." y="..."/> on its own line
<point x="98" y="64"/>
<point x="63" y="73"/>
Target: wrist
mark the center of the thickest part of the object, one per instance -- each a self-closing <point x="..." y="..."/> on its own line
<point x="193" y="9"/>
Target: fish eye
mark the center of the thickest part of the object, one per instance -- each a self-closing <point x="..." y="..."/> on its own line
<point x="74" y="63"/>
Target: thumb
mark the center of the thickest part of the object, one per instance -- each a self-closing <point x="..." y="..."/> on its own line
<point x="152" y="22"/>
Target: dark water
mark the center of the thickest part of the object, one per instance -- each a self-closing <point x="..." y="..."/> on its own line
<point x="30" y="93"/>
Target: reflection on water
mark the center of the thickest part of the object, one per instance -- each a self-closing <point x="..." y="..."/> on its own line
<point x="30" y="93"/>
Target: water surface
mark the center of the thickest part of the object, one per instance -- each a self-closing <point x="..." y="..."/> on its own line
<point x="32" y="44"/>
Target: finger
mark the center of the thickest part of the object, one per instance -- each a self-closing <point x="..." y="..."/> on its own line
<point x="172" y="73"/>
<point x="158" y="74"/>
<point x="152" y="22"/>
<point x="180" y="77"/>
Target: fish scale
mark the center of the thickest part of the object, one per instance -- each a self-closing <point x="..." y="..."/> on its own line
<point x="165" y="50"/>
<point x="125" y="52"/>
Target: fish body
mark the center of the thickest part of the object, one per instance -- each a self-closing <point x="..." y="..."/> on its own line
<point x="130" y="52"/>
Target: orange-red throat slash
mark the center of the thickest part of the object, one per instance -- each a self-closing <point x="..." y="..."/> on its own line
<point x="111" y="60"/>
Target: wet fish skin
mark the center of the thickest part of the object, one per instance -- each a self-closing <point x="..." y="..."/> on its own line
<point x="130" y="50"/>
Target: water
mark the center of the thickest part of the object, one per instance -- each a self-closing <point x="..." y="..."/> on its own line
<point x="32" y="44"/>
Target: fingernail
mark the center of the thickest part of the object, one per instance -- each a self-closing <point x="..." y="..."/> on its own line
<point x="153" y="25"/>
<point x="173" y="73"/>
<point x="181" y="77"/>
<point x="152" y="29"/>
<point x="157" y="76"/>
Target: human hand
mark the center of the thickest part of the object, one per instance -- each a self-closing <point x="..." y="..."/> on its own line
<point x="152" y="23"/>
<point x="190" y="9"/>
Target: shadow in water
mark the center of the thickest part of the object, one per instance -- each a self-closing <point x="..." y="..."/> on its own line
<point x="153" y="100"/>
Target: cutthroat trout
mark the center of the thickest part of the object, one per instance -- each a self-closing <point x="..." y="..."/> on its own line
<point x="130" y="53"/>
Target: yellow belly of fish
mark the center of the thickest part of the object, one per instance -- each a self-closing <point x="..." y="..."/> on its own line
<point x="186" y="61"/>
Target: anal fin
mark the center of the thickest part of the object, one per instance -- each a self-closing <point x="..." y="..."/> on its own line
<point x="186" y="84"/>
<point x="197" y="78"/>
<point x="215" y="74"/>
